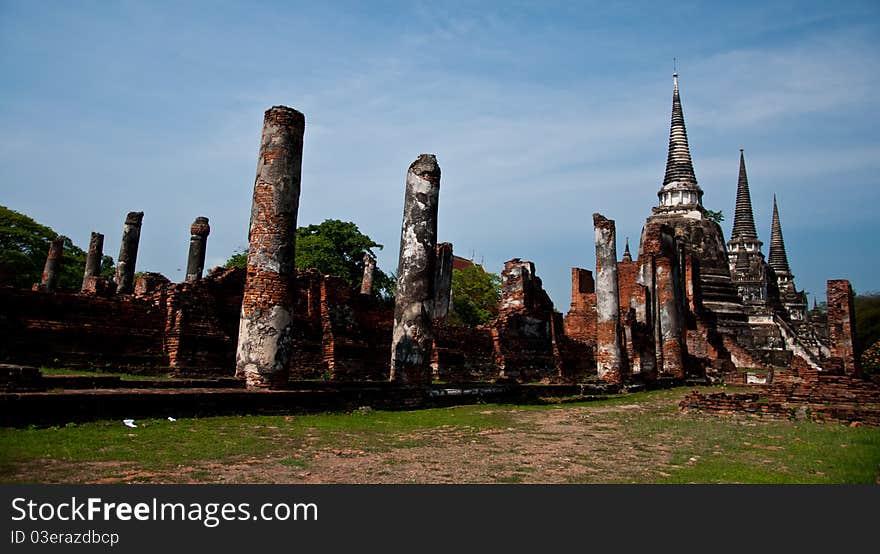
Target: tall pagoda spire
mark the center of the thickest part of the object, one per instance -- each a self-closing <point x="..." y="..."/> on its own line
<point x="679" y="183"/>
<point x="743" y="218"/>
<point x="627" y="255"/>
<point x="778" y="258"/>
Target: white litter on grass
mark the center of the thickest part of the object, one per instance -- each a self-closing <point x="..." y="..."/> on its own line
<point x="171" y="418"/>
<point x="129" y="422"/>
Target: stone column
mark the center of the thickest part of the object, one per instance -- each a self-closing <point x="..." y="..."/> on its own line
<point x="198" y="241"/>
<point x="443" y="280"/>
<point x="842" y="326"/>
<point x="50" y="270"/>
<point x="264" y="334"/>
<point x="93" y="260"/>
<point x="610" y="363"/>
<point x="369" y="274"/>
<point x="412" y="338"/>
<point x="671" y="325"/>
<point x="661" y="274"/>
<point x="128" y="251"/>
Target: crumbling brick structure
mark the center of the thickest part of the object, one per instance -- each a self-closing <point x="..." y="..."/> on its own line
<point x="527" y="328"/>
<point x="580" y="321"/>
<point x="264" y="341"/>
<point x="50" y="270"/>
<point x="661" y="275"/>
<point x="673" y="312"/>
<point x="93" y="259"/>
<point x="803" y="393"/>
<point x="841" y="326"/>
<point x="148" y="282"/>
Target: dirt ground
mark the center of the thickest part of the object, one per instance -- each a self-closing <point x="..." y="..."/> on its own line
<point x="644" y="439"/>
<point x="574" y="443"/>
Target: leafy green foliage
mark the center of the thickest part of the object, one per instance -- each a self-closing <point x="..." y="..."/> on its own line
<point x="717" y="217"/>
<point x="475" y="296"/>
<point x="867" y="308"/>
<point x="238" y="259"/>
<point x="334" y="248"/>
<point x="24" y="244"/>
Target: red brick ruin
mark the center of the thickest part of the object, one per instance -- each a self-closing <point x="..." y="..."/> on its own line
<point x="689" y="308"/>
<point x="266" y="324"/>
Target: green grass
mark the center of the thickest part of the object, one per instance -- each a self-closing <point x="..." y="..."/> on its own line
<point x="697" y="448"/>
<point x="158" y="444"/>
<point x="90" y="373"/>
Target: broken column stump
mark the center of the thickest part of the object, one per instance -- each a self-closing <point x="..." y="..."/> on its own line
<point x="264" y="338"/>
<point x="841" y="326"/>
<point x="50" y="269"/>
<point x="412" y="335"/>
<point x="369" y="275"/>
<point x="128" y="251"/>
<point x="93" y="259"/>
<point x="610" y="363"/>
<point x="198" y="241"/>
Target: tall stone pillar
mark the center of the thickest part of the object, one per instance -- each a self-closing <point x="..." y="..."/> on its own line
<point x="412" y="338"/>
<point x="662" y="276"/>
<point x="443" y="281"/>
<point x="128" y="251"/>
<point x="93" y="259"/>
<point x="369" y="274"/>
<point x="610" y="363"/>
<point x="198" y="242"/>
<point x="53" y="262"/>
<point x="264" y="335"/>
<point x="842" y="327"/>
<point x="671" y="325"/>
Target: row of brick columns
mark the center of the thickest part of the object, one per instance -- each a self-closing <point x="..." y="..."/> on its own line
<point x="127" y="260"/>
<point x="423" y="277"/>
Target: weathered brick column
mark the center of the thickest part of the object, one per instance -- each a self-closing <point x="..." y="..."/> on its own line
<point x="53" y="262"/>
<point x="128" y="251"/>
<point x="662" y="276"/>
<point x="198" y="242"/>
<point x="841" y="325"/>
<point x="412" y="337"/>
<point x="369" y="274"/>
<point x="93" y="259"/>
<point x="443" y="280"/>
<point x="264" y="334"/>
<point x="610" y="363"/>
<point x="671" y="326"/>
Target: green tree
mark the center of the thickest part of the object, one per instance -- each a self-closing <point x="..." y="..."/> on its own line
<point x="717" y="217"/>
<point x="333" y="247"/>
<point x="24" y="244"/>
<point x="475" y="296"/>
<point x="867" y="313"/>
<point x="238" y="259"/>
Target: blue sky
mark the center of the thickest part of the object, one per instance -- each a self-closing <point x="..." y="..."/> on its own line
<point x="540" y="114"/>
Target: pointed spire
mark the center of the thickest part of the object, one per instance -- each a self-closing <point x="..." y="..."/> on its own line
<point x="778" y="258"/>
<point x="743" y="219"/>
<point x="679" y="166"/>
<point x="627" y="257"/>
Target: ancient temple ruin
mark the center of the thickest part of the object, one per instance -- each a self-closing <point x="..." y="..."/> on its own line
<point x="690" y="307"/>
